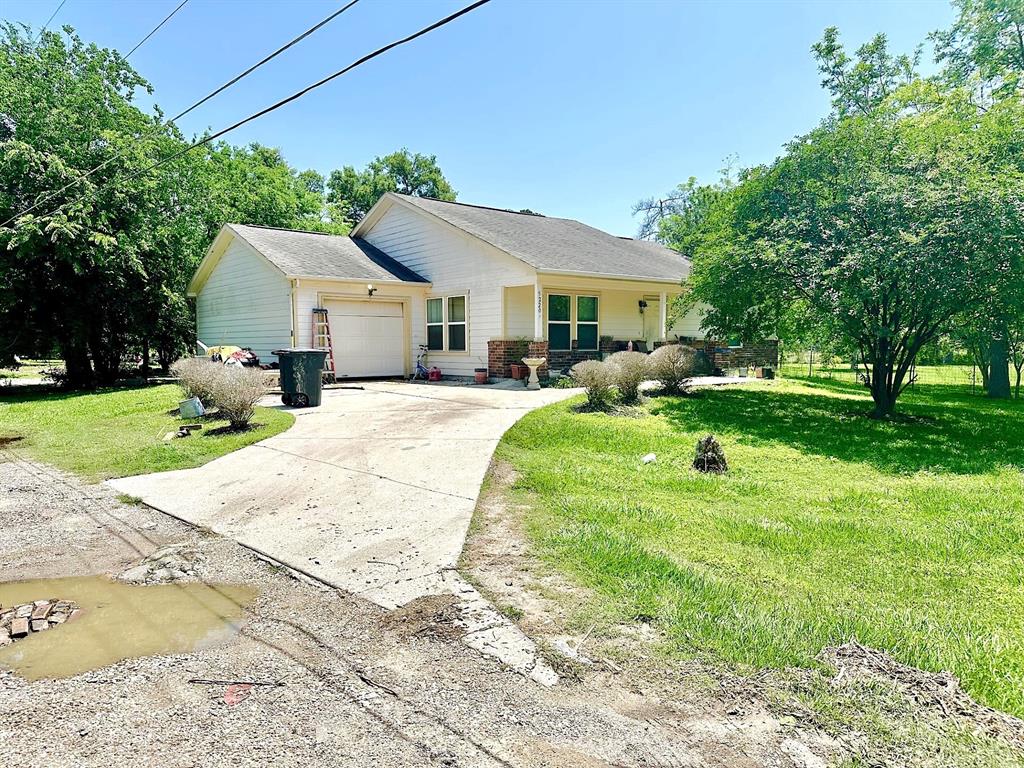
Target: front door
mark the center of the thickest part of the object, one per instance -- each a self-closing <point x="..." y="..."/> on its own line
<point x="652" y="320"/>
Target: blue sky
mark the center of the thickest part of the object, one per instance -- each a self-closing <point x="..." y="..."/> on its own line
<point x="566" y="107"/>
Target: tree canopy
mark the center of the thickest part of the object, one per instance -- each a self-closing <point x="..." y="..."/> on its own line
<point x="354" y="192"/>
<point x="898" y="219"/>
<point x="94" y="263"/>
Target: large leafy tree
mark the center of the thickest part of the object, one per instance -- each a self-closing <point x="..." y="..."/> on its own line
<point x="70" y="269"/>
<point x="94" y="264"/>
<point x="256" y="185"/>
<point x="860" y="234"/>
<point x="897" y="220"/>
<point x="352" y="193"/>
<point x="887" y="226"/>
<point x="985" y="47"/>
<point x="984" y="52"/>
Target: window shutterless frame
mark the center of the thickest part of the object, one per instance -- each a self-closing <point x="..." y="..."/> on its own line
<point x="447" y="330"/>
<point x="559" y="321"/>
<point x="587" y="335"/>
<point x="457" y="336"/>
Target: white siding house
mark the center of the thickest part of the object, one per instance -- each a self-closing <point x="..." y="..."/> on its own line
<point x="244" y="296"/>
<point x="457" y="278"/>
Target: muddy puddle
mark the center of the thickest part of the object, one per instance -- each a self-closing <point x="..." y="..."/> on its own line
<point x="120" y="621"/>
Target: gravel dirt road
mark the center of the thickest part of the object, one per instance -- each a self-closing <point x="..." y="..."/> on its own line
<point x="361" y="686"/>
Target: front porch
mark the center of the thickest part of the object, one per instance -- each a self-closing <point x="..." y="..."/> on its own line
<point x="568" y="319"/>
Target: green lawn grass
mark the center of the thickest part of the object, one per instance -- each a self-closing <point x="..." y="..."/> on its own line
<point x="119" y="432"/>
<point x="905" y="535"/>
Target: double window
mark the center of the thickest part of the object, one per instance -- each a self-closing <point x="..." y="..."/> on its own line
<point x="560" y="321"/>
<point x="446" y="324"/>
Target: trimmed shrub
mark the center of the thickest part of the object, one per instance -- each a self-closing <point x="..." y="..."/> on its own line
<point x="710" y="456"/>
<point x="198" y="377"/>
<point x="672" y="365"/>
<point x="236" y="392"/>
<point x="630" y="370"/>
<point x="598" y="379"/>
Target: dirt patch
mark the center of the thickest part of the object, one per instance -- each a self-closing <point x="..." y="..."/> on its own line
<point x="929" y="689"/>
<point x="435" y="616"/>
<point x="6" y="440"/>
<point x="797" y="717"/>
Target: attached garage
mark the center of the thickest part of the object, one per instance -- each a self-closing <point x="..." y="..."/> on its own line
<point x="368" y="337"/>
<point x="258" y="286"/>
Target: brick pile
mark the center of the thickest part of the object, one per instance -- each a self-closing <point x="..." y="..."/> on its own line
<point x="20" y="621"/>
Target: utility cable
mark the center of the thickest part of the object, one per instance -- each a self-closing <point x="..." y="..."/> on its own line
<point x="153" y="31"/>
<point x="206" y="98"/>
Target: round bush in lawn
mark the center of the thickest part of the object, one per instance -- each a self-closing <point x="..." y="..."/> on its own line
<point x="672" y="365"/>
<point x="630" y="369"/>
<point x="198" y="377"/>
<point x="597" y="379"/>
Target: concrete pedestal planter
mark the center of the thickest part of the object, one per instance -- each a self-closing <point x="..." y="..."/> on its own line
<point x="534" y="363"/>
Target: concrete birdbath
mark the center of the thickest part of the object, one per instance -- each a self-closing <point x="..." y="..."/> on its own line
<point x="533" y="363"/>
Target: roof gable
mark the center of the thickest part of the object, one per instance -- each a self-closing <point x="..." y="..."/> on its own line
<point x="300" y="254"/>
<point x="546" y="243"/>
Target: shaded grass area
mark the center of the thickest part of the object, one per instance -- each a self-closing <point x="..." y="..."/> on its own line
<point x="904" y="535"/>
<point x="119" y="432"/>
<point x="30" y="369"/>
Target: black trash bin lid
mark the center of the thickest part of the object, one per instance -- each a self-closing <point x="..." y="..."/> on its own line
<point x="293" y="350"/>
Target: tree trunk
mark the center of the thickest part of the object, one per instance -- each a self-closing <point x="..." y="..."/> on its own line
<point x="76" y="362"/>
<point x="981" y="359"/>
<point x="145" y="359"/>
<point x="882" y="391"/>
<point x="999" y="368"/>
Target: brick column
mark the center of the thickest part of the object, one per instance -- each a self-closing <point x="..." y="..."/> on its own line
<point x="539" y="349"/>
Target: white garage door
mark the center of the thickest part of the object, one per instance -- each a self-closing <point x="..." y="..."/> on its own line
<point x="368" y="338"/>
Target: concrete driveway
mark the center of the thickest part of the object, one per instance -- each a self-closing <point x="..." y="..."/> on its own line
<point x="372" y="491"/>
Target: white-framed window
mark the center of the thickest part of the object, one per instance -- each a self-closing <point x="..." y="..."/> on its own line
<point x="559" y="321"/>
<point x="446" y="324"/>
<point x="586" y="322"/>
<point x="435" y="323"/>
<point x="457" y="336"/>
<point x="735" y="343"/>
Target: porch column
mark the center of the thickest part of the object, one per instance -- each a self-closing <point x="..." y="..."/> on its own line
<point x="663" y="307"/>
<point x="538" y="312"/>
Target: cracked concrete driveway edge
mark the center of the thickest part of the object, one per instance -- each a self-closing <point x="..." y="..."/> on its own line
<point x="372" y="492"/>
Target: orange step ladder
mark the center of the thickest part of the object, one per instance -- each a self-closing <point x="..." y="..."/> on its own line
<point x="322" y="340"/>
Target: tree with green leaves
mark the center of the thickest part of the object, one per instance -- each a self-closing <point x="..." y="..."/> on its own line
<point x="71" y="267"/>
<point x="984" y="52"/>
<point x="985" y="47"/>
<point x="94" y="263"/>
<point x="897" y="220"/>
<point x="885" y="226"/>
<point x="862" y="84"/>
<point x="352" y="193"/>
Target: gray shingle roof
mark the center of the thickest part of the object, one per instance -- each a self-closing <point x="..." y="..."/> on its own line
<point x="560" y="245"/>
<point x="335" y="257"/>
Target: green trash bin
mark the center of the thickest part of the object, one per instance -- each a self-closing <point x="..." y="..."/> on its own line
<point x="302" y="372"/>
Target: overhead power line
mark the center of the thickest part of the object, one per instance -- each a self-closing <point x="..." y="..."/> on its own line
<point x="206" y="98"/>
<point x="153" y="31"/>
<point x="52" y="16"/>
<point x="287" y="100"/>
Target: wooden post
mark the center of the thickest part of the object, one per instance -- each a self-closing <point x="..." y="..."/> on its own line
<point x="538" y="312"/>
<point x="664" y="316"/>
